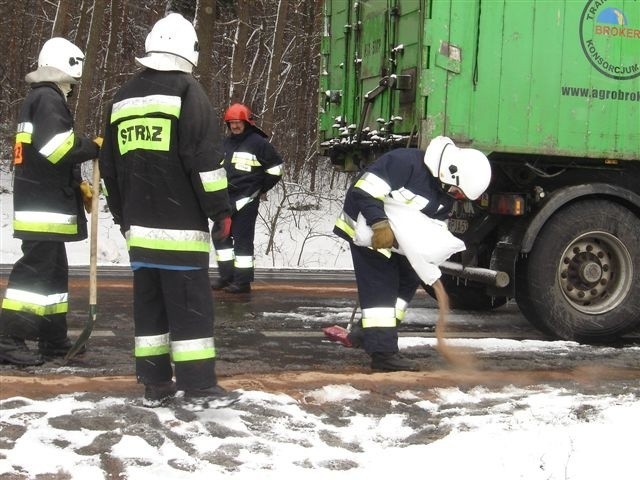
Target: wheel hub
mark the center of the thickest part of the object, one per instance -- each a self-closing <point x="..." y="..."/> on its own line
<point x="594" y="272"/>
<point x="590" y="272"/>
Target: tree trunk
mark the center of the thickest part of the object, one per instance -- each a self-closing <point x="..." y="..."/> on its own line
<point x="86" y="85"/>
<point x="270" y="98"/>
<point x="111" y="66"/>
<point x="186" y="8"/>
<point x="205" y="24"/>
<point x="238" y="71"/>
<point x="61" y="22"/>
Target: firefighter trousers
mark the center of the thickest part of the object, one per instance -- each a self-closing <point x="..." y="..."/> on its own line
<point x="382" y="283"/>
<point x="235" y="254"/>
<point x="173" y="317"/>
<point x="36" y="300"/>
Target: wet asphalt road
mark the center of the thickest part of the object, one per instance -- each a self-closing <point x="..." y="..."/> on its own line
<point x="278" y="328"/>
<point x="272" y="341"/>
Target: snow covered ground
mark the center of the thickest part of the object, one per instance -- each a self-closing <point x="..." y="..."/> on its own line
<point x="505" y="434"/>
<point x="500" y="432"/>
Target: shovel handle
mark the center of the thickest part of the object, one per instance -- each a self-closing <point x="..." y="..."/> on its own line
<point x="93" y="239"/>
<point x="93" y="267"/>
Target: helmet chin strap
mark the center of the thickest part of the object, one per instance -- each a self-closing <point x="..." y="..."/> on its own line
<point x="440" y="159"/>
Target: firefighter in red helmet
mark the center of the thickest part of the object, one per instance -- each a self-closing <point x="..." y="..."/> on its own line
<point x="253" y="168"/>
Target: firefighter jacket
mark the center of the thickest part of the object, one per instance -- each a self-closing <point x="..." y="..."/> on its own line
<point x="400" y="174"/>
<point x="161" y="169"/>
<point x="47" y="155"/>
<point x="253" y="166"/>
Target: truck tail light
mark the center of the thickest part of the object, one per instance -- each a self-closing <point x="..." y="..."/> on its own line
<point x="507" y="204"/>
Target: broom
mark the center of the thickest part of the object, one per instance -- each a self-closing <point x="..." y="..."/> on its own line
<point x="336" y="333"/>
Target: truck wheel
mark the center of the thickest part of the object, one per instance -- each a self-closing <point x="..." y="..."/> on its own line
<point x="580" y="281"/>
<point x="467" y="296"/>
<point x="523" y="298"/>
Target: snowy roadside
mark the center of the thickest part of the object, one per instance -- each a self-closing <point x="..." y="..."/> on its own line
<point x="539" y="432"/>
<point x="303" y="235"/>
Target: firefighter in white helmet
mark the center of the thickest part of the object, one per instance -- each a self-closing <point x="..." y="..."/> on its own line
<point x="164" y="184"/>
<point x="48" y="208"/>
<point x="386" y="281"/>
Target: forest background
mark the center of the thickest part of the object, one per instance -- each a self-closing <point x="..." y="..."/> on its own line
<point x="264" y="53"/>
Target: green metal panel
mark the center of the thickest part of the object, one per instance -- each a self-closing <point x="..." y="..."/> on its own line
<point x="407" y="63"/>
<point x="535" y="88"/>
<point x="556" y="77"/>
<point x="373" y="51"/>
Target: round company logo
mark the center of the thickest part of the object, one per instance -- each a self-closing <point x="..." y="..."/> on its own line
<point x="608" y="42"/>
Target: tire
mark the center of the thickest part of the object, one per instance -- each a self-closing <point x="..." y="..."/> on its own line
<point x="579" y="281"/>
<point x="523" y="298"/>
<point x="467" y="296"/>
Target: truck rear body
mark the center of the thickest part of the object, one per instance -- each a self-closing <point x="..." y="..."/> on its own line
<point x="549" y="90"/>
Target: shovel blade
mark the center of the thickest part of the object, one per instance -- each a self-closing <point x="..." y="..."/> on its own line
<point x="83" y="337"/>
<point x="338" y="334"/>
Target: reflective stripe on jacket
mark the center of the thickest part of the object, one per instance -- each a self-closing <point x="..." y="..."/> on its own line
<point x="162" y="169"/>
<point x="46" y="196"/>
<point x="400" y="174"/>
<point x="253" y="166"/>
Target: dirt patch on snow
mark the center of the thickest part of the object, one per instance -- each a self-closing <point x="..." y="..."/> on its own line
<point x="296" y="384"/>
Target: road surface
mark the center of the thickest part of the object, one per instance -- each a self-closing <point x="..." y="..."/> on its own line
<point x="273" y="339"/>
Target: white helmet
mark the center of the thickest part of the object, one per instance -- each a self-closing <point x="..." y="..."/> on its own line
<point x="466" y="168"/>
<point x="172" y="44"/>
<point x="59" y="61"/>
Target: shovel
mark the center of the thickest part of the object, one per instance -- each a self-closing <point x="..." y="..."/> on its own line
<point x="339" y="334"/>
<point x="93" y="268"/>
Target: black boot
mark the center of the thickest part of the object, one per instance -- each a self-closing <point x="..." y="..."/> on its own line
<point x="57" y="348"/>
<point x="238" y="288"/>
<point x="219" y="284"/>
<point x="211" y="397"/>
<point x="392" y="362"/>
<point x="14" y="350"/>
<point x="356" y="336"/>
<point x="158" y="394"/>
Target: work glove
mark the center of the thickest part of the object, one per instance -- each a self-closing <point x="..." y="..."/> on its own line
<point x="98" y="141"/>
<point x="87" y="195"/>
<point x="382" y="235"/>
<point x="221" y="229"/>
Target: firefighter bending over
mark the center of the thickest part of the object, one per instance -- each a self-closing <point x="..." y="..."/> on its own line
<point x="385" y="279"/>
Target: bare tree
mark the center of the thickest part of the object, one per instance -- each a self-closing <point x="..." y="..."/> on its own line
<point x="252" y="51"/>
<point x="61" y="21"/>
<point x="93" y="41"/>
<point x="205" y="23"/>
<point x="186" y="8"/>
<point x="271" y="89"/>
<point x="238" y="70"/>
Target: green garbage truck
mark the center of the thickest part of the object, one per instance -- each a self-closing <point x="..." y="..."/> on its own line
<point x="549" y="90"/>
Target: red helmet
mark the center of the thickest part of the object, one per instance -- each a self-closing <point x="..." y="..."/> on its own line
<point x="238" y="111"/>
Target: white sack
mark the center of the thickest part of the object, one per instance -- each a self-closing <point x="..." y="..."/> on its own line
<point x="425" y="242"/>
